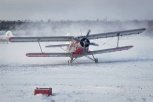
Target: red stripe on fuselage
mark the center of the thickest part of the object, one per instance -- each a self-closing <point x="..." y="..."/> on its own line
<point x="78" y="51"/>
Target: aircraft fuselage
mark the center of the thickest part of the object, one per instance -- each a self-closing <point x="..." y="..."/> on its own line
<point x="76" y="49"/>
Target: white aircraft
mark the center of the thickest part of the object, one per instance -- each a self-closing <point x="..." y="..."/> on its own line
<point x="5" y="38"/>
<point x="79" y="46"/>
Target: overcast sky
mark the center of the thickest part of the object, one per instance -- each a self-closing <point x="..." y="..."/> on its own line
<point x="76" y="9"/>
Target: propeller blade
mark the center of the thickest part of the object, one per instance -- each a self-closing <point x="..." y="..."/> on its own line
<point x="88" y="33"/>
<point x="94" y="44"/>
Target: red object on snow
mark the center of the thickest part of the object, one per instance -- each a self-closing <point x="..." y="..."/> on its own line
<point x="44" y="91"/>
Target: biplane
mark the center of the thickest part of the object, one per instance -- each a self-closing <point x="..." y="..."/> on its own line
<point x="78" y="46"/>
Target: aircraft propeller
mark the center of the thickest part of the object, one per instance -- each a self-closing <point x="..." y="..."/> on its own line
<point x="85" y="42"/>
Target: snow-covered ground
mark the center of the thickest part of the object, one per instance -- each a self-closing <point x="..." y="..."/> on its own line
<point x="109" y="81"/>
<point x="118" y="77"/>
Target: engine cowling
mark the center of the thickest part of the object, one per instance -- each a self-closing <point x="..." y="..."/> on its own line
<point x="84" y="42"/>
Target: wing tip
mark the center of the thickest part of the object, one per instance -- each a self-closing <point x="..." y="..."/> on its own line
<point x="143" y="29"/>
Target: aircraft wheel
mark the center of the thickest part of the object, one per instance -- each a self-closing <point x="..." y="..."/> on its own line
<point x="96" y="60"/>
<point x="69" y="61"/>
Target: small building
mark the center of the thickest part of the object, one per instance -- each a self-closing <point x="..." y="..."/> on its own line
<point x="43" y="91"/>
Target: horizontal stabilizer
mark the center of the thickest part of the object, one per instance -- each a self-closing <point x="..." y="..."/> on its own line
<point x="60" y="45"/>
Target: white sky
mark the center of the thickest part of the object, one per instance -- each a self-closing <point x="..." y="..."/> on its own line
<point x="76" y="9"/>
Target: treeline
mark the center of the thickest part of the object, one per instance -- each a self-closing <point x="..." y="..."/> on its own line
<point x="16" y="25"/>
<point x="10" y="25"/>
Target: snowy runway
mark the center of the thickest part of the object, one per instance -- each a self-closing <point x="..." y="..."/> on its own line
<point x="107" y="82"/>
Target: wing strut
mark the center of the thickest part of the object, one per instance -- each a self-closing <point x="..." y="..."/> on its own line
<point x="40" y="47"/>
<point x="118" y="38"/>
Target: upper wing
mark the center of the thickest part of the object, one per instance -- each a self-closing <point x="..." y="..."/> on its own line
<point x="70" y="38"/>
<point x="41" y="39"/>
<point x="114" y="34"/>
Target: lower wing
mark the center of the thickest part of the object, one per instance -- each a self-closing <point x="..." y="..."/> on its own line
<point x="109" y="50"/>
<point x="48" y="54"/>
<point x="78" y="55"/>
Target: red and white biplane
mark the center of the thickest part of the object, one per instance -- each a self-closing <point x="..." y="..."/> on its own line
<point x="79" y="46"/>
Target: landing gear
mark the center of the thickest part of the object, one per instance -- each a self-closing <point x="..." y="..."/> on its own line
<point x="93" y="58"/>
<point x="96" y="60"/>
<point x="71" y="60"/>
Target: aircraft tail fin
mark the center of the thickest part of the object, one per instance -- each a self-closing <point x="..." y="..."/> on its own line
<point x="9" y="34"/>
